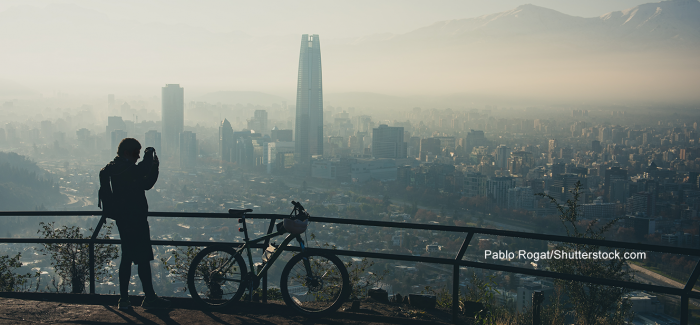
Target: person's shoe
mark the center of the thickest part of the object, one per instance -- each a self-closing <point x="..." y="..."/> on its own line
<point x="124" y="303"/>
<point x="155" y="302"/>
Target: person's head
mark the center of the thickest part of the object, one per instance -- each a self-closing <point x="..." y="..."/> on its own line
<point x="129" y="148"/>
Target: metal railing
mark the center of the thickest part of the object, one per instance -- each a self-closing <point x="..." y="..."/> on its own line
<point x="685" y="293"/>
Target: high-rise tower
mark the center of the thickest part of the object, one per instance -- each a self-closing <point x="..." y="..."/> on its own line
<point x="173" y="116"/>
<point x="309" y="115"/>
<point x="226" y="142"/>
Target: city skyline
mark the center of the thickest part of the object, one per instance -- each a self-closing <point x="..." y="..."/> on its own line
<point x="522" y="117"/>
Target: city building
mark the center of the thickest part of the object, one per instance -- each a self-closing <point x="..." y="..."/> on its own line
<point x="521" y="198"/>
<point x="447" y="144"/>
<point x="429" y="147"/>
<point x="498" y="189"/>
<point x="520" y="162"/>
<point x="475" y="138"/>
<point x="259" y="122"/>
<point x="611" y="174"/>
<point x="598" y="210"/>
<point x="502" y="154"/>
<point x="173" y="116"/>
<point x="387" y="142"/>
<point x="277" y="154"/>
<point x="250" y="150"/>
<point x="116" y="137"/>
<point x="281" y="135"/>
<point x="309" y="107"/>
<point x="475" y="184"/>
<point x="153" y="139"/>
<point x="363" y="170"/>
<point x="641" y="202"/>
<point x="115" y="123"/>
<point x="188" y="150"/>
<point x="227" y="143"/>
<point x="563" y="185"/>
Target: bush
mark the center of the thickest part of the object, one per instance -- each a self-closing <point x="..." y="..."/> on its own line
<point x="72" y="261"/>
<point x="9" y="280"/>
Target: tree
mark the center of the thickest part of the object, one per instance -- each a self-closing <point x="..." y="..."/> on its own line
<point x="9" y="280"/>
<point x="361" y="279"/>
<point x="179" y="263"/>
<point x="72" y="260"/>
<point x="592" y="303"/>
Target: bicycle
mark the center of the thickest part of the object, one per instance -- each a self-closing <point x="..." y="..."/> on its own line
<point x="311" y="283"/>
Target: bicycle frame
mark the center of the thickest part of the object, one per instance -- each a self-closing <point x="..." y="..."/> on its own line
<point x="271" y="260"/>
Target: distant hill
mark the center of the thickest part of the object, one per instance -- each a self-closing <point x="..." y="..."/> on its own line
<point x="240" y="97"/>
<point x="22" y="187"/>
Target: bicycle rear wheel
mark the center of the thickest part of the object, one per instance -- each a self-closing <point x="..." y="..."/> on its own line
<point x="216" y="277"/>
<point x="315" y="284"/>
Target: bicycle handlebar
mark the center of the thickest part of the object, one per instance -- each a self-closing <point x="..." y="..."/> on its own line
<point x="299" y="212"/>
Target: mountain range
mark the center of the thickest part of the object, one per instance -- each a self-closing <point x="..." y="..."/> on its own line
<point x="669" y="22"/>
<point x="645" y="51"/>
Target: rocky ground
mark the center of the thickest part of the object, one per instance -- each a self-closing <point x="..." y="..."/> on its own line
<point x="55" y="308"/>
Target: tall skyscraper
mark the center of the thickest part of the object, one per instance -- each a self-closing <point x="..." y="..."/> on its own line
<point x="173" y="116"/>
<point x="226" y="142"/>
<point x="309" y="115"/>
<point x="188" y="150"/>
<point x="153" y="139"/>
<point x="387" y="142"/>
<point x="502" y="154"/>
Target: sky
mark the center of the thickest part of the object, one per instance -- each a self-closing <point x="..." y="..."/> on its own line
<point x="332" y="18"/>
<point x="133" y="48"/>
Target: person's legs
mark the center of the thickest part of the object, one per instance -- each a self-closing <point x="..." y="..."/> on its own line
<point x="146" y="279"/>
<point x="124" y="277"/>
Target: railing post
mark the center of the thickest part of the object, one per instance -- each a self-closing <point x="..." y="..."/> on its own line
<point x="92" y="267"/>
<point x="537" y="299"/>
<point x="455" y="277"/>
<point x="92" y="253"/>
<point x="687" y="289"/>
<point x="455" y="293"/>
<point x="684" y="310"/>
<point x="264" y="288"/>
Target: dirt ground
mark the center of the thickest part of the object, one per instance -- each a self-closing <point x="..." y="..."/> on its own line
<point x="56" y="308"/>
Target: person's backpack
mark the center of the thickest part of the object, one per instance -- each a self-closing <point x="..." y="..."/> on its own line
<point x="105" y="197"/>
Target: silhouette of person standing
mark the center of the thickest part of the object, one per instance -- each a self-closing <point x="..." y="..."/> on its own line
<point x="129" y="183"/>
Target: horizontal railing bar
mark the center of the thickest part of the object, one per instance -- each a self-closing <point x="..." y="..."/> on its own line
<point x="434" y="260"/>
<point x="117" y="241"/>
<point x="512" y="269"/>
<point x="518" y="234"/>
<point x="496" y="232"/>
<point x="49" y="213"/>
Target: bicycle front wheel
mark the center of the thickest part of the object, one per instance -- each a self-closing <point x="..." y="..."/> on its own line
<point x="216" y="277"/>
<point x="315" y="284"/>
